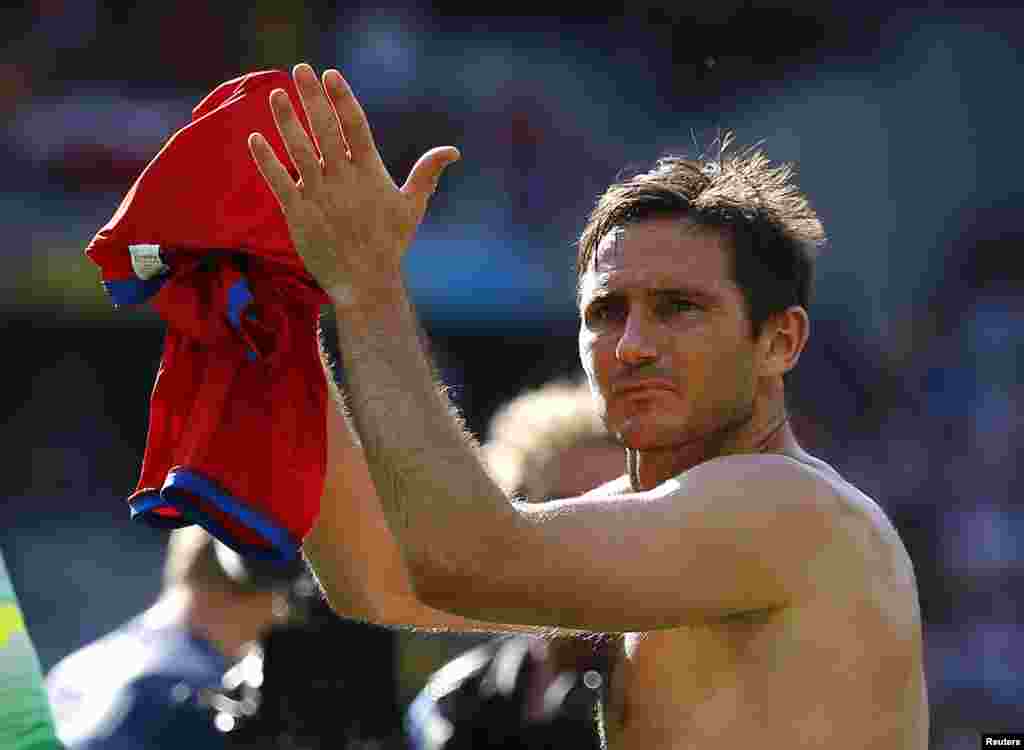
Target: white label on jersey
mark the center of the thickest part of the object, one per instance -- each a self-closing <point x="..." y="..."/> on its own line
<point x="146" y="261"/>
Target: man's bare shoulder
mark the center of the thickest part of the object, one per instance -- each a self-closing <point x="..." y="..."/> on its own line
<point x="862" y="532"/>
<point x="856" y="512"/>
<point x="802" y="478"/>
<point x="758" y="480"/>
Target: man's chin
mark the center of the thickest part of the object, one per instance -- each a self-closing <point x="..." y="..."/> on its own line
<point x="643" y="435"/>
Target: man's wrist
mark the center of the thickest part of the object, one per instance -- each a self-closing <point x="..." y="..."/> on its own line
<point x="366" y="299"/>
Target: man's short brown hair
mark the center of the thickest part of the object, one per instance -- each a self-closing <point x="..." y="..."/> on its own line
<point x="775" y="234"/>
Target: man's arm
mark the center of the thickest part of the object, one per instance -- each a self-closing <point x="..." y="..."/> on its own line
<point x="353" y="553"/>
<point x="351" y="549"/>
<point x="734" y="535"/>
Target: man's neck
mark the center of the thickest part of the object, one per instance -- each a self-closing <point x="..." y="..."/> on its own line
<point x="766" y="431"/>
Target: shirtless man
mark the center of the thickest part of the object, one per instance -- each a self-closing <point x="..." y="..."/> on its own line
<point x="764" y="601"/>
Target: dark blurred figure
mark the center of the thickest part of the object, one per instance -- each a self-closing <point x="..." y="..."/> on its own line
<point x="323" y="682"/>
<point x="159" y="680"/>
<point x="523" y="691"/>
<point x="514" y="692"/>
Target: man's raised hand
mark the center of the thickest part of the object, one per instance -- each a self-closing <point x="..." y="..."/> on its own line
<point x="348" y="220"/>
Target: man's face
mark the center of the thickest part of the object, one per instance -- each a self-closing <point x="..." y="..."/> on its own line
<point x="664" y="335"/>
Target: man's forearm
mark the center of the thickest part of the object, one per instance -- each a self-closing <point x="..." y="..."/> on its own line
<point x="354" y="554"/>
<point x="450" y="520"/>
<point x="350" y="548"/>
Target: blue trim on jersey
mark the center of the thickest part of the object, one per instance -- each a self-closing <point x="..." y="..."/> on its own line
<point x="239" y="297"/>
<point x="143" y="508"/>
<point x="282" y="546"/>
<point x="134" y="291"/>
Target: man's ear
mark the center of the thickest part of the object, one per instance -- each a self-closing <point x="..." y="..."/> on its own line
<point x="782" y="339"/>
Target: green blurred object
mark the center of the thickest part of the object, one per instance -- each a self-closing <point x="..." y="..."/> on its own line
<point x="26" y="722"/>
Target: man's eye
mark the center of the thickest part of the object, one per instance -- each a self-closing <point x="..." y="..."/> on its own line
<point x="676" y="306"/>
<point x="600" y="313"/>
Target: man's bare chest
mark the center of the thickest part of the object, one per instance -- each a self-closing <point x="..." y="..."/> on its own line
<point x="663" y="677"/>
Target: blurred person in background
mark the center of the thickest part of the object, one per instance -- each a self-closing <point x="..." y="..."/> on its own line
<point x="763" y="599"/>
<point x="26" y="722"/>
<point x="160" y="679"/>
<point x="323" y="682"/>
<point x="524" y="691"/>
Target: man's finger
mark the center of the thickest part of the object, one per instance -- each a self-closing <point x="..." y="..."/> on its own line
<point x="322" y="119"/>
<point x="296" y="140"/>
<point x="427" y="171"/>
<point x="278" y="180"/>
<point x="353" y="119"/>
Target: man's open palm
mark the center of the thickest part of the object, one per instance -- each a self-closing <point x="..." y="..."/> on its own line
<point x="348" y="220"/>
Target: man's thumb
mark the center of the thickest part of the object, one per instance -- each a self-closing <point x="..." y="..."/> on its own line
<point x="427" y="171"/>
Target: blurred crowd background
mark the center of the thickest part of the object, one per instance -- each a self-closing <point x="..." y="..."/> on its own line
<point x="904" y="124"/>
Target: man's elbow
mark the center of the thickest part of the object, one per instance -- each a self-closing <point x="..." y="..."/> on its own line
<point x="383" y="609"/>
<point x="458" y="592"/>
<point x="448" y="598"/>
<point x="429" y="585"/>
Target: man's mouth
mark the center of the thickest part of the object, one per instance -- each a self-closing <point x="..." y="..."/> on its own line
<point x="642" y="386"/>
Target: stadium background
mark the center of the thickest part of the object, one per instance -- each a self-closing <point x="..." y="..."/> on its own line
<point x="904" y="123"/>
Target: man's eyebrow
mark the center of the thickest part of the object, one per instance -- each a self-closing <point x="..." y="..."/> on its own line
<point x="668" y="290"/>
<point x="676" y="290"/>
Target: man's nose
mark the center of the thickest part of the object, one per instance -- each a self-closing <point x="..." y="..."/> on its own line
<point x="637" y="343"/>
